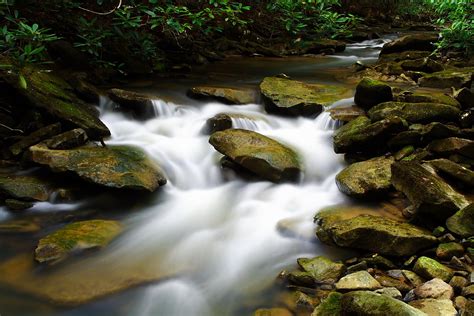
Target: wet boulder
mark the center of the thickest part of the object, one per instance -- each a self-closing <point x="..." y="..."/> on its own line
<point x="428" y="193"/>
<point x="360" y="134"/>
<point x="452" y="146"/>
<point x="426" y="97"/>
<point x="368" y="232"/>
<point x="113" y="166"/>
<point x="75" y="237"/>
<point x="462" y="222"/>
<point x="70" y="139"/>
<point x="360" y="280"/>
<point x="429" y="269"/>
<point x="366" y="178"/>
<point x="259" y="154"/>
<point x="290" y="97"/>
<point x="453" y="170"/>
<point x="419" y="134"/>
<point x="48" y="91"/>
<point x="24" y="187"/>
<point x="316" y="270"/>
<point x="448" y="79"/>
<point x="464" y="96"/>
<point x="34" y="138"/>
<point x="370" y="92"/>
<point x="414" y="42"/>
<point x="329" y="306"/>
<point x="415" y="112"/>
<point x="139" y="105"/>
<point x="223" y="121"/>
<point x="426" y="65"/>
<point x="223" y="94"/>
<point x="373" y="304"/>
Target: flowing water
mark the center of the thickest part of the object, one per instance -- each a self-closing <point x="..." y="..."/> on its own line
<point x="220" y="239"/>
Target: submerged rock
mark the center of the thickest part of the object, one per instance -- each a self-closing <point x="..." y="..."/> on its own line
<point x="414" y="42"/>
<point x="415" y="112"/>
<point x="112" y="166"/>
<point x="462" y="223"/>
<point x="76" y="236"/>
<point x="373" y="304"/>
<point x="430" y="269"/>
<point x="428" y="193"/>
<point x="49" y="92"/>
<point x="291" y="97"/>
<point x="260" y="154"/>
<point x="447" y="79"/>
<point x="360" y="134"/>
<point x="226" y="95"/>
<point x="405" y="239"/>
<point x="371" y="92"/>
<point x="366" y="178"/>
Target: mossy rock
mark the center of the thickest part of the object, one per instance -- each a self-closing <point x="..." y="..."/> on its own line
<point x="413" y="42"/>
<point x="46" y="90"/>
<point x="76" y="236"/>
<point x="373" y="304"/>
<point x="426" y="65"/>
<point x="360" y="280"/>
<point x="295" y="98"/>
<point x="429" y="269"/>
<point x="446" y="251"/>
<point x="112" y="166"/>
<point x="321" y="46"/>
<point x="366" y="178"/>
<point x="427" y="97"/>
<point x="453" y="170"/>
<point x="429" y="194"/>
<point x="25" y="187"/>
<point x="446" y="79"/>
<point x="139" y="105"/>
<point x="330" y="306"/>
<point x="70" y="139"/>
<point x="368" y="232"/>
<point x="261" y="155"/>
<point x="360" y="134"/>
<point x="317" y="270"/>
<point x="415" y="112"/>
<point x="223" y="94"/>
<point x="370" y="92"/>
<point x="462" y="223"/>
<point x="451" y="146"/>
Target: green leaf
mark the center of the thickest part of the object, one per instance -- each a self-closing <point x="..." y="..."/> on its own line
<point x="22" y="82"/>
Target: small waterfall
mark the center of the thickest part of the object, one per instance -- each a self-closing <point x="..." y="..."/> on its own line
<point x="163" y="109"/>
<point x="250" y="124"/>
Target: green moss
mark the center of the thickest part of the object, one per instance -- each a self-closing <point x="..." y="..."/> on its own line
<point x="373" y="304"/>
<point x="330" y="306"/>
<point x="462" y="223"/>
<point x="29" y="188"/>
<point x="414" y="112"/>
<point x="322" y="269"/>
<point x="430" y="269"/>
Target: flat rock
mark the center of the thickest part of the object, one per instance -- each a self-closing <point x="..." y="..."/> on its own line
<point x="428" y="193"/>
<point x="451" y="146"/>
<point x="224" y="94"/>
<point x="260" y="154"/>
<point x="361" y="280"/>
<point x="366" y="178"/>
<point x="454" y="170"/>
<point x="427" y="97"/>
<point x="75" y="237"/>
<point x="413" y="42"/>
<point x="370" y="92"/>
<point x="462" y="223"/>
<point x="435" y="288"/>
<point x="405" y="239"/>
<point x="25" y="187"/>
<point x="360" y="134"/>
<point x="112" y="166"/>
<point x="138" y="104"/>
<point x="67" y="140"/>
<point x="435" y="307"/>
<point x="322" y="269"/>
<point x="415" y="112"/>
<point x="448" y="79"/>
<point x="295" y="98"/>
<point x="430" y="269"/>
<point x="34" y="138"/>
<point x="372" y="304"/>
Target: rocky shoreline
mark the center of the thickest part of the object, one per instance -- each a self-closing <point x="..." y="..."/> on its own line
<point x="409" y="139"/>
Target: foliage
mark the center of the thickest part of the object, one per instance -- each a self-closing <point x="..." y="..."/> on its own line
<point x="23" y="41"/>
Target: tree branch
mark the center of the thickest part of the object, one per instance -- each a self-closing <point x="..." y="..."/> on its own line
<point x="103" y="13"/>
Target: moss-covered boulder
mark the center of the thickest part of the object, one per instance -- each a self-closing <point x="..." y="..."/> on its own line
<point x="259" y="154"/>
<point x="429" y="269"/>
<point x="112" y="166"/>
<point x="448" y="79"/>
<point x="370" y="232"/>
<point x="330" y="306"/>
<point x="428" y="193"/>
<point x="366" y="178"/>
<point x="295" y="98"/>
<point x="24" y="187"/>
<point x="46" y="90"/>
<point x="446" y="251"/>
<point x="453" y="170"/>
<point x="370" y="92"/>
<point x="76" y="236"/>
<point x="427" y="97"/>
<point x="415" y="112"/>
<point x="373" y="304"/>
<point x="452" y="146"/>
<point x="419" y="134"/>
<point x="360" y="280"/>
<point x="413" y="42"/>
<point x="223" y="94"/>
<point x="360" y="134"/>
<point x="316" y="270"/>
<point x="462" y="223"/>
